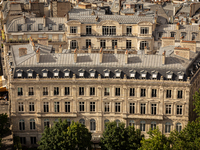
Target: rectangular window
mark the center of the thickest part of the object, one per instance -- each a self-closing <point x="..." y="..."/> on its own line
<point x="30" y="91"/>
<point x="114" y="43"/>
<point x="19" y="26"/>
<point x="128" y="44"/>
<point x="172" y="34"/>
<point x="143" y="93"/>
<point x="33" y="140"/>
<point x="21" y="106"/>
<point x="117" y="91"/>
<point x="154" y="92"/>
<point x="106" y="91"/>
<point x="117" y="107"/>
<point x="88" y="43"/>
<point x="56" y="106"/>
<point x="129" y="30"/>
<point x="167" y="128"/>
<point x="88" y="30"/>
<point x="107" y="106"/>
<point x="73" y="29"/>
<point x="23" y="140"/>
<point x="168" y="94"/>
<point x="132" y="91"/>
<point x="56" y="90"/>
<point x="143" y="108"/>
<point x="67" y="106"/>
<point x="81" y="106"/>
<point x="168" y="109"/>
<point x="92" y="106"/>
<point x="153" y="109"/>
<point x="45" y="90"/>
<point x="20" y="91"/>
<point x="92" y="91"/>
<point x="60" y="37"/>
<point x="103" y="43"/>
<point x="81" y="90"/>
<point x="31" y="106"/>
<point x="132" y="108"/>
<point x="46" y="106"/>
<point x="40" y="26"/>
<point x="74" y="44"/>
<point x="61" y="26"/>
<point x="179" y="109"/>
<point x="50" y="27"/>
<point x="29" y="27"/>
<point x="109" y="30"/>
<point x="67" y="91"/>
<point x="50" y="37"/>
<point x="180" y="94"/>
<point x="144" y="30"/>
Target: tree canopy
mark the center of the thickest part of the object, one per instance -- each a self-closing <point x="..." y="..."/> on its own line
<point x="4" y="124"/>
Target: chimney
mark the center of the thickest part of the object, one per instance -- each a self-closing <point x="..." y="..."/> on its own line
<point x="29" y="5"/>
<point x="115" y="49"/>
<point x="178" y="26"/>
<point x="38" y="55"/>
<point x="33" y="46"/>
<point x="43" y="41"/>
<point x="182" y="52"/>
<point x="60" y="49"/>
<point x="101" y="55"/>
<point x="155" y="20"/>
<point x="192" y="20"/>
<point x="44" y="21"/>
<point x="181" y="39"/>
<point x="66" y="16"/>
<point x="199" y="27"/>
<point x="102" y="4"/>
<point x="145" y="50"/>
<point x="97" y="18"/>
<point x="75" y="55"/>
<point x="30" y="40"/>
<point x="89" y="49"/>
<point x="22" y="52"/>
<point x="163" y="58"/>
<point x="126" y="57"/>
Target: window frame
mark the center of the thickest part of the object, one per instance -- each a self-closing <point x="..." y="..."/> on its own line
<point x="32" y="106"/>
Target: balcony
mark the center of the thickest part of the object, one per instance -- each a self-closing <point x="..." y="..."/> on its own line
<point x="110" y="48"/>
<point x="143" y="116"/>
<point x="114" y="35"/>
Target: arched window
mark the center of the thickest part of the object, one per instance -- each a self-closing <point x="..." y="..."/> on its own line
<point x="21" y="124"/>
<point x="153" y="125"/>
<point x="56" y="120"/>
<point x="142" y="125"/>
<point x="167" y="127"/>
<point x="117" y="121"/>
<point x="68" y="122"/>
<point x="178" y="127"/>
<point x="92" y="125"/>
<point x="143" y="44"/>
<point x="46" y="122"/>
<point x="131" y="123"/>
<point x="105" y="121"/>
<point x="82" y="121"/>
<point x="32" y="124"/>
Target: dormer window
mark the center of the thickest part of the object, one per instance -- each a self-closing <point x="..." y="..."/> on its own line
<point x="173" y="34"/>
<point x="143" y="74"/>
<point x="50" y="26"/>
<point x="169" y="75"/>
<point x="40" y="26"/>
<point x="19" y="27"/>
<point x="154" y="74"/>
<point x="61" y="26"/>
<point x="19" y="73"/>
<point x="194" y="34"/>
<point x="180" y="75"/>
<point x="81" y="73"/>
<point x="45" y="73"/>
<point x="107" y="73"/>
<point x="183" y="34"/>
<point x="30" y="73"/>
<point x="117" y="73"/>
<point x="92" y="73"/>
<point x="132" y="73"/>
<point x="66" y="73"/>
<point x="56" y="73"/>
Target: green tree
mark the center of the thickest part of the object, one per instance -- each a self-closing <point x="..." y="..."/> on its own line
<point x="4" y="124"/>
<point x="196" y="98"/>
<point x="16" y="143"/>
<point x="156" y="141"/>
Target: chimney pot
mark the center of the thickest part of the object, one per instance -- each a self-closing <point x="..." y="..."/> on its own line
<point x="126" y="57"/>
<point x="89" y="49"/>
<point x="101" y="55"/>
<point x="163" y="58"/>
<point x="38" y="55"/>
<point x="178" y="26"/>
<point x="115" y="49"/>
<point x="145" y="50"/>
<point x="44" y="21"/>
<point x="75" y="55"/>
<point x="60" y="49"/>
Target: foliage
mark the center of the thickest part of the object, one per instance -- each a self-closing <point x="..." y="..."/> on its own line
<point x="4" y="124"/>
<point x="0" y="142"/>
<point x="117" y="137"/>
<point x="16" y="143"/>
<point x="156" y="141"/>
<point x="196" y="98"/>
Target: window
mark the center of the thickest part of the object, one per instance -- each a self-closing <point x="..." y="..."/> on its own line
<point x="21" y="106"/>
<point x="128" y="44"/>
<point x="183" y="34"/>
<point x="81" y="90"/>
<point x="21" y="124"/>
<point x="105" y="123"/>
<point x="107" y="106"/>
<point x="117" y="91"/>
<point x="109" y="30"/>
<point x="67" y="91"/>
<point x="131" y="123"/>
<point x="153" y="109"/>
<point x="194" y="36"/>
<point x="114" y="43"/>
<point x="117" y="107"/>
<point x="46" y="106"/>
<point x="143" y="108"/>
<point x="153" y="93"/>
<point x="33" y="140"/>
<point x="30" y="91"/>
<point x="179" y="110"/>
<point x="180" y="94"/>
<point x="60" y="37"/>
<point x="50" y="36"/>
<point x="88" y="30"/>
<point x="168" y="94"/>
<point x="31" y="106"/>
<point x="32" y="124"/>
<point x="160" y="34"/>
<point x="73" y="29"/>
<point x="30" y="74"/>
<point x="29" y="27"/>
<point x="81" y="106"/>
<point x="129" y="30"/>
<point x="106" y="91"/>
<point x="103" y="43"/>
<point x="46" y="122"/>
<point x="144" y="30"/>
<point x="20" y="91"/>
<point x="68" y="122"/>
<point x="50" y="26"/>
<point x="142" y="125"/>
<point x="88" y="43"/>
<point x="117" y="121"/>
<point x="132" y="91"/>
<point x="19" y="27"/>
<point x="92" y="106"/>
<point x="44" y="74"/>
<point x="132" y="108"/>
<point x="61" y="26"/>
<point x="92" y="125"/>
<point x="178" y="127"/>
<point x="40" y="26"/>
<point x="56" y="106"/>
<point x="82" y="121"/>
<point x="168" y="109"/>
<point x="153" y="125"/>
<point x="167" y="127"/>
<point x="23" y="140"/>
<point x="92" y="91"/>
<point x="67" y="106"/>
<point x="144" y="44"/>
<point x="143" y="93"/>
<point x="45" y="90"/>
<point x="173" y="34"/>
<point x="74" y="44"/>
<point x="56" y="90"/>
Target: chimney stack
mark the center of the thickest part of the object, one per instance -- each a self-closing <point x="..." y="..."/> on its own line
<point x="33" y="46"/>
<point x="145" y="50"/>
<point x="97" y="18"/>
<point x="29" y="5"/>
<point x="126" y="57"/>
<point x="66" y="16"/>
<point x="75" y="55"/>
<point x="38" y="55"/>
<point x="101" y="55"/>
<point x="60" y="49"/>
<point x="115" y="49"/>
<point x="22" y="52"/>
<point x="178" y="26"/>
<point x="44" y="21"/>
<point x="89" y="49"/>
<point x="163" y="58"/>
